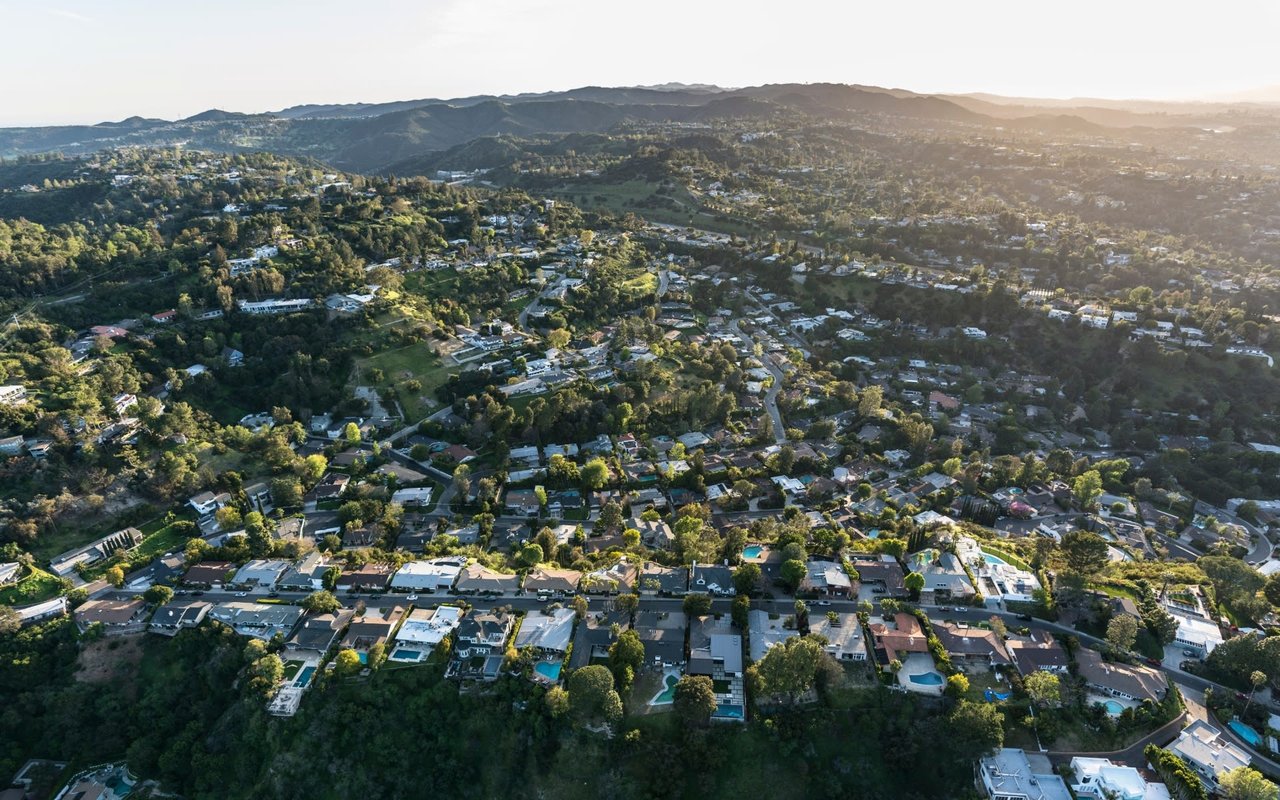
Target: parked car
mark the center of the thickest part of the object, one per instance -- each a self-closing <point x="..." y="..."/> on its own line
<point x="1025" y="617"/>
<point x="1189" y="653"/>
<point x="823" y="603"/>
<point x="1155" y="662"/>
<point x="411" y="598"/>
<point x="242" y="594"/>
<point x="273" y="594"/>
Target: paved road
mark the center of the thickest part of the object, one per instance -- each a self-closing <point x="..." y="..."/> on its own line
<point x="770" y="396"/>
<point x="523" y="319"/>
<point x="664" y="276"/>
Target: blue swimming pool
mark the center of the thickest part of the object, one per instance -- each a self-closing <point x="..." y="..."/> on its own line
<point x="990" y="559"/>
<point x="1245" y="732"/>
<point x="304" y="677"/>
<point x="874" y="533"/>
<point x="547" y="670"/>
<point x="1113" y="707"/>
<point x="927" y="679"/>
<point x="402" y="654"/>
<point x="668" y="693"/>
<point x="728" y="712"/>
<point x="753" y="551"/>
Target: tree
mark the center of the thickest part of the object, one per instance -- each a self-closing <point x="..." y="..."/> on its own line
<point x="314" y="466"/>
<point x="321" y="602"/>
<point x="265" y="673"/>
<point x="626" y="656"/>
<point x="557" y="701"/>
<point x="695" y="699"/>
<point x="228" y="518"/>
<point x="957" y="685"/>
<point x="1084" y="553"/>
<point x="974" y="730"/>
<point x="286" y="492"/>
<point x="558" y="338"/>
<point x="351" y="433"/>
<point x="869" y="402"/>
<point x="158" y="595"/>
<point x="1257" y="679"/>
<point x="595" y="474"/>
<point x="914" y="582"/>
<point x="1272" y="589"/>
<point x="793" y="572"/>
<point x="611" y="516"/>
<point x="745" y="578"/>
<point x="580" y="606"/>
<point x="740" y="611"/>
<point x="1042" y="687"/>
<point x="10" y="621"/>
<point x="347" y="662"/>
<point x="1246" y="783"/>
<point x="998" y="627"/>
<point x="1122" y="632"/>
<point x="627" y="603"/>
<point x="592" y="696"/>
<point x="462" y="480"/>
<point x="697" y="604"/>
<point x="1087" y="488"/>
<point x="114" y="576"/>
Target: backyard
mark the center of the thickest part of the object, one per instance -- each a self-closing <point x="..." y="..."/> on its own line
<point x="415" y="362"/>
<point x="35" y="586"/>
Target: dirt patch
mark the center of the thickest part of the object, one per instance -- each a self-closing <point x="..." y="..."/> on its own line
<point x="110" y="659"/>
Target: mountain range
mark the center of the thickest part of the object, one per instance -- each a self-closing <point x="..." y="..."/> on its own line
<point x="375" y="137"/>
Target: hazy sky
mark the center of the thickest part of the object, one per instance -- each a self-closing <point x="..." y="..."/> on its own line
<point x="92" y="60"/>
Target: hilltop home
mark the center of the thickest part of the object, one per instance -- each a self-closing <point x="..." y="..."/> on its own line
<point x="1038" y="652"/>
<point x="662" y="633"/>
<point x="843" y="633"/>
<point x="1208" y="753"/>
<point x="125" y="539"/>
<point x="371" y="628"/>
<point x="1102" y="779"/>
<point x="317" y="633"/>
<point x="258" y="620"/>
<point x="422" y="630"/>
<point x="767" y="630"/>
<point x="546" y="630"/>
<point x="115" y="616"/>
<point x="972" y="645"/>
<point x="178" y="614"/>
<point x="1010" y="774"/>
<point x="1128" y="681"/>
<point x="482" y="633"/>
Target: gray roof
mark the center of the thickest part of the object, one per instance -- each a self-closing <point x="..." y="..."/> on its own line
<point x="546" y="631"/>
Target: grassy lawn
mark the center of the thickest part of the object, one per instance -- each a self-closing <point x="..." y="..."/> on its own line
<point x="38" y="585"/>
<point x="160" y="538"/>
<point x="291" y="669"/>
<point x="1006" y="555"/>
<point x="414" y="362"/>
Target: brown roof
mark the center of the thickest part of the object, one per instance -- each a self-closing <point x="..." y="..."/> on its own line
<point x="109" y="612"/>
<point x="971" y="642"/>
<point x="1041" y="652"/>
<point x="1140" y="683"/>
<point x="208" y="572"/>
<point x="544" y="579"/>
<point x="906" y="637"/>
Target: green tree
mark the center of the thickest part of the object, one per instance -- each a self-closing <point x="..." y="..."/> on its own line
<point x="1122" y="632"/>
<point x="974" y="730"/>
<point x="462" y="480"/>
<point x="1246" y="783"/>
<point x="351" y="433"/>
<point x="740" y="611"/>
<point x="321" y="602"/>
<point x="957" y="685"/>
<point x="114" y="576"/>
<point x="557" y="701"/>
<point x="1042" y="687"/>
<point x="914" y="582"/>
<point x="697" y="604"/>
<point x="10" y="621"/>
<point x="347" y="662"/>
<point x="1087" y="488"/>
<point x="793" y="572"/>
<point x="265" y="674"/>
<point x="626" y="656"/>
<point x="594" y="474"/>
<point x="580" y="607"/>
<point x="228" y="518"/>
<point x="1084" y="553"/>
<point x="789" y="669"/>
<point x="158" y="595"/>
<point x="870" y="400"/>
<point x="627" y="603"/>
<point x="695" y="699"/>
<point x="592" y="695"/>
<point x="745" y="578"/>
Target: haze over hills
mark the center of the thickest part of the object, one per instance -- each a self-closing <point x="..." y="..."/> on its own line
<point x="370" y="137"/>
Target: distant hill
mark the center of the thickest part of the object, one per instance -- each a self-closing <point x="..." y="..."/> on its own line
<point x="372" y="137"/>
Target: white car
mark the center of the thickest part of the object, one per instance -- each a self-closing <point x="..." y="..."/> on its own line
<point x="242" y="594"/>
<point x="411" y="598"/>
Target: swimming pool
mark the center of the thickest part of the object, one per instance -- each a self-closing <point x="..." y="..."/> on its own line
<point x="402" y="654"/>
<point x="1113" y="708"/>
<point x="1245" y="732"/>
<point x="728" y="712"/>
<point x="304" y="677"/>
<point x="874" y="533"/>
<point x="547" y="670"/>
<point x="927" y="679"/>
<point x="753" y="551"/>
<point x="990" y="559"/>
<point x="667" y="695"/>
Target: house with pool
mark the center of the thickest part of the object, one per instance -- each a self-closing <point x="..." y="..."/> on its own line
<point x="843" y="633"/>
<point x="1208" y="752"/>
<point x="548" y="631"/>
<point x="422" y="631"/>
<point x="481" y="645"/>
<point x="945" y="578"/>
<point x="1119" y="686"/>
<point x="901" y="639"/>
<point x="663" y="634"/>
<point x="716" y="652"/>
<point x="972" y="647"/>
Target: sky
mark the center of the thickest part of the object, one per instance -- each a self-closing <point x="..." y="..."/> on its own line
<point x="86" y="61"/>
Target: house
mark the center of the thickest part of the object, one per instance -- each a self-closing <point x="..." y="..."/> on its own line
<point x="654" y="533"/>
<point x="657" y="579"/>
<point x="972" y="645"/>
<point x="12" y="445"/>
<point x="945" y="578"/>
<point x="617" y="579"/>
<point x="115" y="616"/>
<point x="826" y="578"/>
<point x="261" y="573"/>
<point x="13" y="394"/>
<point x="178" y="614"/>
<point x="482" y="633"/>
<point x="1010" y="774"/>
<point x="164" y="570"/>
<point x="370" y="577"/>
<point x="1208" y="753"/>
<point x="307" y="575"/>
<point x="883" y="574"/>
<point x="206" y="503"/>
<point x="1128" y="681"/>
<point x="1101" y="779"/>
<point x="662" y="633"/>
<point x="1037" y="652"/>
<point x="714" y="649"/>
<point x="361" y="537"/>
<point x="436" y="575"/>
<point x="897" y="637"/>
<point x="9" y="572"/>
<point x="550" y="581"/>
<point x="843" y="633"/>
<point x="547" y="630"/>
<point x="413" y="497"/>
<point x="258" y="620"/>
<point x="767" y="630"/>
<point x="208" y="574"/>
<point x="330" y="487"/>
<point x="318" y="632"/>
<point x="423" y="630"/>
<point x="1195" y="632"/>
<point x="373" y="627"/>
<point x="38" y="612"/>
<point x="122" y="540"/>
<point x="595" y="636"/>
<point x="479" y="579"/>
<point x="712" y="579"/>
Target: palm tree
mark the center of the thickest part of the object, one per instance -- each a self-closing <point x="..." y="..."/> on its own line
<point x="1256" y="678"/>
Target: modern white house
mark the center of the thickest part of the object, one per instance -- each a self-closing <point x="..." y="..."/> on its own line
<point x="1100" y="779"/>
<point x="1011" y="775"/>
<point x="1207" y="752"/>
